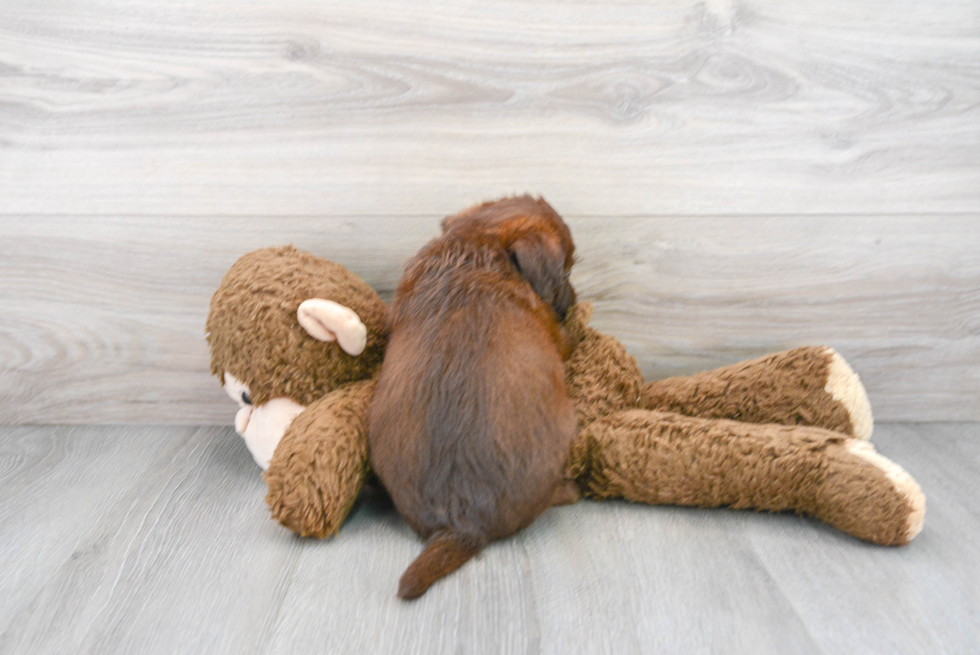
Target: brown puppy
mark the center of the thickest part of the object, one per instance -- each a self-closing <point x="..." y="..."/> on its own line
<point x="471" y="424"/>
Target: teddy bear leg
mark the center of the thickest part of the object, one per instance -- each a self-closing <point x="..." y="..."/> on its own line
<point x="812" y="385"/>
<point x="665" y="458"/>
<point x="860" y="503"/>
<point x="321" y="464"/>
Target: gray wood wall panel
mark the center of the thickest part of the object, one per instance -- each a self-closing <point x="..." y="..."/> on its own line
<point x="144" y="145"/>
<point x="103" y="317"/>
<point x="607" y="108"/>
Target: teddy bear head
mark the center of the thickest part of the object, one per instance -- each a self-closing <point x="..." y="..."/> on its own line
<point x="285" y="328"/>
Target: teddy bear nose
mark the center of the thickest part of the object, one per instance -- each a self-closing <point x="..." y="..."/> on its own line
<point x="241" y="419"/>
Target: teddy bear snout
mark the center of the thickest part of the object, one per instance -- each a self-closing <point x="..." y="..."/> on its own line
<point x="242" y="418"/>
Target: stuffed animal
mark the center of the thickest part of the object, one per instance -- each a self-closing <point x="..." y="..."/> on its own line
<point x="297" y="341"/>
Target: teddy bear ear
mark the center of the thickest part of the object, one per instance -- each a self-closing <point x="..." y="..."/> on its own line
<point x="326" y="320"/>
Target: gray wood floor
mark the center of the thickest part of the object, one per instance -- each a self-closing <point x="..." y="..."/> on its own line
<point x="156" y="540"/>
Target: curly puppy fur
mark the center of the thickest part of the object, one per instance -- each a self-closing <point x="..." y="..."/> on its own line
<point x="471" y="424"/>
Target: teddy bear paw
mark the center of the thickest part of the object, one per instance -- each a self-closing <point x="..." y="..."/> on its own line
<point x="844" y="385"/>
<point x="904" y="485"/>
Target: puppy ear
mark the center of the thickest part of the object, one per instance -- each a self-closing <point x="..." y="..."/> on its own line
<point x="326" y="320"/>
<point x="541" y="261"/>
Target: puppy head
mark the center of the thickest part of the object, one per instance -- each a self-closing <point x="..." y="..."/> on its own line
<point x="537" y="239"/>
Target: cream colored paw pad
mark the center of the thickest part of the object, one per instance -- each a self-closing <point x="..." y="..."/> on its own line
<point x="844" y="385"/>
<point x="904" y="483"/>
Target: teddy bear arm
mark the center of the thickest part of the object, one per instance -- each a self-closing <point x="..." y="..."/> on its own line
<point x="664" y="458"/>
<point x="321" y="464"/>
<point x="601" y="376"/>
<point x="812" y="386"/>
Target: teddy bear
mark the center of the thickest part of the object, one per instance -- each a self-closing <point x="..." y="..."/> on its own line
<point x="298" y="341"/>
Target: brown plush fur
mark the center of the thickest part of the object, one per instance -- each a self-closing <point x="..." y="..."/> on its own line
<point x="327" y="443"/>
<point x="652" y="455"/>
<point x="662" y="458"/>
<point x="786" y="388"/>
<point x="707" y="459"/>
<point x="471" y="424"/>
<point x="254" y="335"/>
<point x="602" y="377"/>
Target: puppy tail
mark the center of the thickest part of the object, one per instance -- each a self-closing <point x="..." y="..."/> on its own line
<point x="443" y="554"/>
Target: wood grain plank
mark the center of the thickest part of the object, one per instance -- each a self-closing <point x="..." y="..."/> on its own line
<point x="103" y="317"/>
<point x="686" y="107"/>
<point x="919" y="604"/>
<point x="488" y="607"/>
<point x="164" y="566"/>
<point x="895" y="295"/>
<point x="155" y="540"/>
<point x="594" y="578"/>
<point x="650" y="578"/>
<point x="42" y="526"/>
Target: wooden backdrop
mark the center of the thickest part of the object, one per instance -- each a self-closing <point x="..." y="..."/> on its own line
<point x="740" y="177"/>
